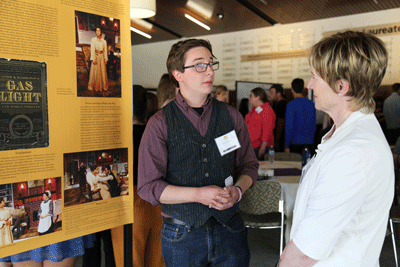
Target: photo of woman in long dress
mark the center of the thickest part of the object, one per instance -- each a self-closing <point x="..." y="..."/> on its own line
<point x="45" y="215"/>
<point x="98" y="70"/>
<point x="98" y="55"/>
<point x="6" y="236"/>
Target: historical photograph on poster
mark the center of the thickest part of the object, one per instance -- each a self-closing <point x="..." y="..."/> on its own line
<point x="23" y="104"/>
<point x="95" y="175"/>
<point x="98" y="55"/>
<point x="29" y="209"/>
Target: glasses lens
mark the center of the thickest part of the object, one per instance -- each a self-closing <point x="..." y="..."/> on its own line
<point x="201" y="67"/>
<point x="214" y="65"/>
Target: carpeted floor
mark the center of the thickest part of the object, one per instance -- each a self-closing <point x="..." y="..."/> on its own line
<point x="264" y="248"/>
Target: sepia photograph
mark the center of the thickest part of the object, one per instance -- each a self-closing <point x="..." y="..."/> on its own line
<point x="98" y="55"/>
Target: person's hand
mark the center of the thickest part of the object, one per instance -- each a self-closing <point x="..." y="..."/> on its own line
<point x="230" y="197"/>
<point x="41" y="217"/>
<point x="287" y="150"/>
<point x="213" y="197"/>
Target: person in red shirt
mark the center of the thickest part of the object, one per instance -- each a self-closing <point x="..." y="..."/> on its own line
<point x="261" y="122"/>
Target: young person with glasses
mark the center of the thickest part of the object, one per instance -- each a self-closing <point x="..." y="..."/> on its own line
<point x="191" y="164"/>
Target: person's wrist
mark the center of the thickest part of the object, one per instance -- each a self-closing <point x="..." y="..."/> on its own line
<point x="240" y="192"/>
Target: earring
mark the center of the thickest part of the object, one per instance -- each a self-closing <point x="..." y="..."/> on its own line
<point x="340" y="94"/>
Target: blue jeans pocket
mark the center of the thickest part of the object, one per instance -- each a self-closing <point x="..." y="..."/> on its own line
<point x="235" y="224"/>
<point x="173" y="232"/>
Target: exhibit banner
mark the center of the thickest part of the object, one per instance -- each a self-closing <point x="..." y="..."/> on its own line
<point x="65" y="120"/>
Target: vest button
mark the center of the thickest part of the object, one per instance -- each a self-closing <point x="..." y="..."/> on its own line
<point x="205" y="160"/>
<point x="204" y="145"/>
<point x="206" y="174"/>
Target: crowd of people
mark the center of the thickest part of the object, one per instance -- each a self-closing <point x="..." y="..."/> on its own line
<point x="295" y="123"/>
<point x="352" y="152"/>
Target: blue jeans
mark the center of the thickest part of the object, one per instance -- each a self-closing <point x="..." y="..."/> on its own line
<point x="222" y="246"/>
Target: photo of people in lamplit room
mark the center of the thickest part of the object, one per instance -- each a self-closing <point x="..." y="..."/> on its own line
<point x="30" y="209"/>
<point x="98" y="55"/>
<point x="95" y="175"/>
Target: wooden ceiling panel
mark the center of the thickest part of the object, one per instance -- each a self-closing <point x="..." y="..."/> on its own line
<point x="170" y="22"/>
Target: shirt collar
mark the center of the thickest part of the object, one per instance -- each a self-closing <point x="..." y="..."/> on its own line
<point x="349" y="122"/>
<point x="263" y="106"/>
<point x="181" y="102"/>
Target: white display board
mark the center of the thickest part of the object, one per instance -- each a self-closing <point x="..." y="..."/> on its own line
<point x="243" y="89"/>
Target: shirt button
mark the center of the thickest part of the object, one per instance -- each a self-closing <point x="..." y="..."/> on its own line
<point x="204" y="145"/>
<point x="206" y="174"/>
<point x="205" y="160"/>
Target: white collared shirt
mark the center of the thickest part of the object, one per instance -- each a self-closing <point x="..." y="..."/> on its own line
<point x="344" y="197"/>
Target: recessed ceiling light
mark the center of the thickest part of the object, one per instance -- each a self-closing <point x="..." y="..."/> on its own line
<point x="140" y="32"/>
<point x="197" y="22"/>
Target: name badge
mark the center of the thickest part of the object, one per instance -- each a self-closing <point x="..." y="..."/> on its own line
<point x="227" y="143"/>
<point x="229" y="181"/>
<point x="259" y="109"/>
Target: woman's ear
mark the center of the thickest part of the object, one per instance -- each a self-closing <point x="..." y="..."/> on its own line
<point x="342" y="87"/>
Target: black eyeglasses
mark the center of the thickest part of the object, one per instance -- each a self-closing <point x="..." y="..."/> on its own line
<point x="202" y="67"/>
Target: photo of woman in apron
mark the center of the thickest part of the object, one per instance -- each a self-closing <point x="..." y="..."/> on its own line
<point x="46" y="215"/>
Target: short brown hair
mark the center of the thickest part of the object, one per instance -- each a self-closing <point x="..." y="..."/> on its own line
<point x="220" y="89"/>
<point x="260" y="92"/>
<point x="177" y="55"/>
<point x="356" y="57"/>
<point x="166" y="89"/>
<point x="396" y="87"/>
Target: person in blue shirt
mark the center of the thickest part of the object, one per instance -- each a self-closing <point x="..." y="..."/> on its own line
<point x="300" y="123"/>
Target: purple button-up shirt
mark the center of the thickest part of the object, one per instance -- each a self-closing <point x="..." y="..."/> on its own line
<point x="153" y="151"/>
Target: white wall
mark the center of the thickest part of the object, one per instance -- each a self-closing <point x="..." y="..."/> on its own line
<point x="149" y="60"/>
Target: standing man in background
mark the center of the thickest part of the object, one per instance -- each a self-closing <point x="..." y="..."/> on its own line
<point x="300" y="121"/>
<point x="196" y="160"/>
<point x="279" y="105"/>
<point x="391" y="110"/>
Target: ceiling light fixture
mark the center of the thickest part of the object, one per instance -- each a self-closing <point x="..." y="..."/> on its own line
<point x="141" y="33"/>
<point x="197" y="22"/>
<point x="142" y="8"/>
<point x="143" y="23"/>
<point x="201" y="7"/>
<point x="220" y="14"/>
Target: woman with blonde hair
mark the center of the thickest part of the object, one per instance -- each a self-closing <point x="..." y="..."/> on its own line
<point x="221" y="93"/>
<point x="347" y="188"/>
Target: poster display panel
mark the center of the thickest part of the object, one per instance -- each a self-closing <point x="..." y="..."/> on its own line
<point x="65" y="120"/>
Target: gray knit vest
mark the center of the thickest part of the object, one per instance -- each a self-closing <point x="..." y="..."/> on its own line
<point x="195" y="161"/>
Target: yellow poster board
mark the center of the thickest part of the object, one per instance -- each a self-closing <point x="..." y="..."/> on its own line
<point x="65" y="120"/>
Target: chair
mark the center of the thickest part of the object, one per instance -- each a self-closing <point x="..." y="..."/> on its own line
<point x="262" y="207"/>
<point x="282" y="156"/>
<point x="394" y="217"/>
